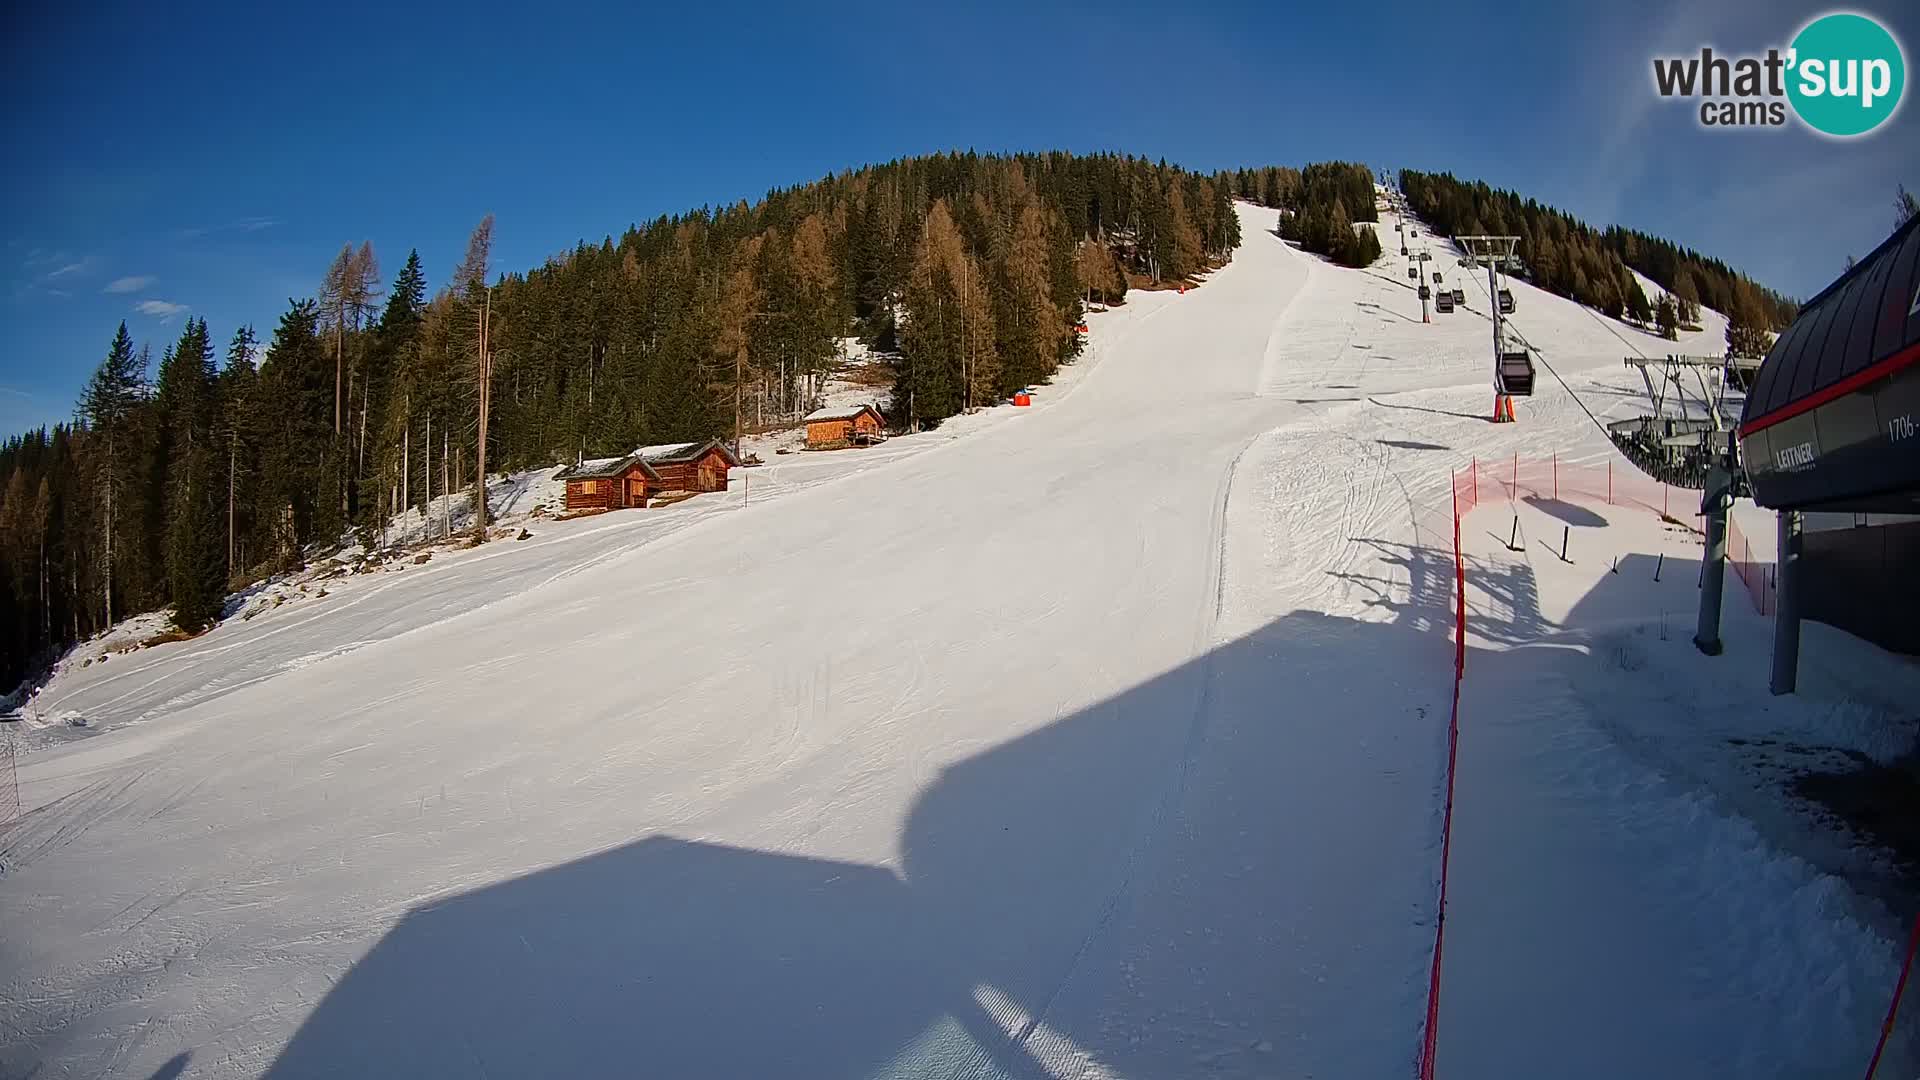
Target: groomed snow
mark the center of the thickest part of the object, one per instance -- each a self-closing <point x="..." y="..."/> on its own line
<point x="1099" y="738"/>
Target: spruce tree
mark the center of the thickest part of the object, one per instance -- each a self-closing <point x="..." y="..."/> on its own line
<point x="1666" y="317"/>
<point x="1339" y="243"/>
<point x="110" y="405"/>
<point x="948" y="355"/>
<point x="238" y="436"/>
<point x="195" y="555"/>
<point x="298" y="499"/>
<point x="1183" y="249"/>
<point x="1637" y="307"/>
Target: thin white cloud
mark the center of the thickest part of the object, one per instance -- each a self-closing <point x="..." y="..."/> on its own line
<point x="129" y="284"/>
<point x="159" y="309"/>
<point x="60" y="265"/>
<point x="247" y="224"/>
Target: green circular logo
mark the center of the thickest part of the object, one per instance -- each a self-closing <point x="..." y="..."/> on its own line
<point x="1846" y="74"/>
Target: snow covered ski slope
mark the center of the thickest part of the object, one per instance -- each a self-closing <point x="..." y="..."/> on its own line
<point x="1097" y="739"/>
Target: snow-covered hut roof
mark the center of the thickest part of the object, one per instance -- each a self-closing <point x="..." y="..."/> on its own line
<point x="594" y="468"/>
<point x="847" y="412"/>
<point x="675" y="453"/>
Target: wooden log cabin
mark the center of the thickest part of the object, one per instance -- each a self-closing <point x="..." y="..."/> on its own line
<point x="690" y="466"/>
<point x="828" y="429"/>
<point x="610" y="483"/>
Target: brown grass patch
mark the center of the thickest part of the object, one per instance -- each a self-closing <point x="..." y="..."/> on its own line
<point x="873" y="374"/>
<point x="1143" y="283"/>
<point x="170" y="634"/>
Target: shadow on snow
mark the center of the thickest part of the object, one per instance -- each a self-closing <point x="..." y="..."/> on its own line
<point x="672" y="956"/>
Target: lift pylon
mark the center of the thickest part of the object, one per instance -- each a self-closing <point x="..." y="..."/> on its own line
<point x="1512" y="363"/>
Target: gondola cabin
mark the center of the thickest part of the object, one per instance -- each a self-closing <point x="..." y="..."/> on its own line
<point x="690" y="466"/>
<point x="1443" y="302"/>
<point x="1513" y="375"/>
<point x="830" y="429"/>
<point x="1425" y="292"/>
<point x="1436" y="277"/>
<point x="1459" y="295"/>
<point x="609" y="483"/>
<point x="1413" y="274"/>
<point x="1506" y="301"/>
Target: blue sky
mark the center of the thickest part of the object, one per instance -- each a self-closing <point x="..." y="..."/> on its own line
<point x="165" y="162"/>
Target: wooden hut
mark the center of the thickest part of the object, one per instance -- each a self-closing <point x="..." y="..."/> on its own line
<point x="689" y="466"/>
<point x="610" y="483"/>
<point x="828" y="429"/>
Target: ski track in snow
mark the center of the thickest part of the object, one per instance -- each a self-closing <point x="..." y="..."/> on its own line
<point x="1103" y="738"/>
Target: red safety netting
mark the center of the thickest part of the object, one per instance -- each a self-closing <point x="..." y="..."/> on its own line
<point x="1517" y="478"/>
<point x="1466" y="495"/>
<point x="1514" y="479"/>
<point x="1893" y="1007"/>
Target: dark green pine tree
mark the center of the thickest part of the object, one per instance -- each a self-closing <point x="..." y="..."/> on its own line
<point x="390" y="376"/>
<point x="111" y="406"/>
<point x="1665" y="316"/>
<point x="1638" y="309"/>
<point x="238" y="437"/>
<point x="294" y="407"/>
<point x="188" y="411"/>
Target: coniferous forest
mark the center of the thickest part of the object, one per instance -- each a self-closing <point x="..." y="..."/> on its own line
<point x="1324" y="204"/>
<point x="229" y="458"/>
<point x="1568" y="257"/>
<point x="237" y="453"/>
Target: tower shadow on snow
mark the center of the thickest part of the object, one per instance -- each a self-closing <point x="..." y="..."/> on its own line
<point x="676" y="957"/>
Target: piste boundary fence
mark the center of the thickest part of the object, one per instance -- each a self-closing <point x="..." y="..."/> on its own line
<point x="1518" y="479"/>
<point x="1514" y="480"/>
